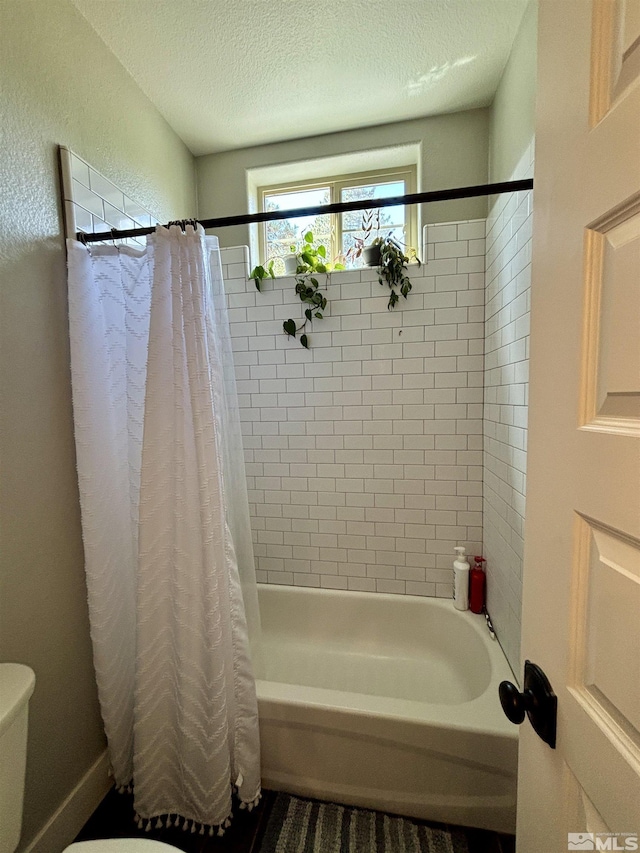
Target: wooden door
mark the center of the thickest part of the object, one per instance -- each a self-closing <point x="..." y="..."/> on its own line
<point x="581" y="611"/>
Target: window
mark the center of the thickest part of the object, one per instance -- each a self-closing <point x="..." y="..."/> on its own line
<point x="338" y="232"/>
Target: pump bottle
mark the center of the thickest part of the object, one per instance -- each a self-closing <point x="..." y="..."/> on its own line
<point x="460" y="580"/>
<point x="478" y="586"/>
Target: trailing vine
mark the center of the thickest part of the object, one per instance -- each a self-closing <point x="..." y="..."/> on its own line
<point x="311" y="261"/>
<point x="393" y="268"/>
<point x="259" y="273"/>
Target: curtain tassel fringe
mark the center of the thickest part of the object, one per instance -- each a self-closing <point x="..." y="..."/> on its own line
<point x="188" y="825"/>
<point x="251" y="804"/>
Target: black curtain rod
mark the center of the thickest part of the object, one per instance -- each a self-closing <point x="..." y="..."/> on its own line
<point x="337" y="207"/>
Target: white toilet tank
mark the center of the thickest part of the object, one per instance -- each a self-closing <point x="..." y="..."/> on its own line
<point x="16" y="686"/>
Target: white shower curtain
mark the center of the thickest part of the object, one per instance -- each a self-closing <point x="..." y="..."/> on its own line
<point x="169" y="561"/>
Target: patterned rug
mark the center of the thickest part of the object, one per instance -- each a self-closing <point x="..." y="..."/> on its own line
<point x="308" y="826"/>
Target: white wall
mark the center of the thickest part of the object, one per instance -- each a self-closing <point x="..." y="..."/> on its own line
<point x="364" y="452"/>
<point x="508" y="291"/>
<point x="512" y="116"/>
<point x="454" y="153"/>
<point x="511" y="157"/>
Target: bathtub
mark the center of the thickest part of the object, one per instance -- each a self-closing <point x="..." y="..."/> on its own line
<point x="388" y="702"/>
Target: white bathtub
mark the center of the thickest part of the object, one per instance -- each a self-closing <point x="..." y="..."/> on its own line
<point x="385" y="701"/>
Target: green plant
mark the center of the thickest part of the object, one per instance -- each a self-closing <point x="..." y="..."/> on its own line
<point x="393" y="268"/>
<point x="259" y="273"/>
<point x="312" y="261"/>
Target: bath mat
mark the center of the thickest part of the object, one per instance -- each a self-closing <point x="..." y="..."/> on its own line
<point x="308" y="826"/>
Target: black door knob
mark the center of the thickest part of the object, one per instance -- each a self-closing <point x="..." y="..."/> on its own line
<point x="537" y="701"/>
<point x="514" y="703"/>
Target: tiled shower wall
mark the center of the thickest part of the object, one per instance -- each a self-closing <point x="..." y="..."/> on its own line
<point x="94" y="203"/>
<point x="364" y="453"/>
<point x="508" y="278"/>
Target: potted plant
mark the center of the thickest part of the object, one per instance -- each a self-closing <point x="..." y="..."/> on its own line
<point x="310" y="261"/>
<point x="290" y="262"/>
<point x="259" y="273"/>
<point x="371" y="254"/>
<point x="393" y="268"/>
<point x="362" y="247"/>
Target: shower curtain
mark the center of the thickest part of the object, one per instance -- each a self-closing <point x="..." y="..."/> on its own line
<point x="168" y="554"/>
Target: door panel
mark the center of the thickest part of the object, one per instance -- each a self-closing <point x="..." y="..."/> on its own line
<point x="615" y="55"/>
<point x="611" y="366"/>
<point x="581" y="595"/>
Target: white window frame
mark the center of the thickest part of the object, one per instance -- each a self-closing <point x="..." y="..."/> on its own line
<point x="338" y="182"/>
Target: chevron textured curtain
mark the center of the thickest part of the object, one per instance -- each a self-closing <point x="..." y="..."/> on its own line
<point x="169" y="563"/>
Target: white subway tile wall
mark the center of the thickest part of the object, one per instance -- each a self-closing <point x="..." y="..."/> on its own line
<point x="508" y="277"/>
<point x="364" y="453"/>
<point x="93" y="203"/>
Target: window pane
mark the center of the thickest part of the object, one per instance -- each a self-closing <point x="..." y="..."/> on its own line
<point x="281" y="235"/>
<point x="382" y="222"/>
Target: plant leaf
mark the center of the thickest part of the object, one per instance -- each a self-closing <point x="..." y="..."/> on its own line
<point x="304" y="340"/>
<point x="290" y="327"/>
<point x="318" y="315"/>
<point x="256" y="281"/>
<point x="308" y="237"/>
<point x="322" y="251"/>
<point x="308" y="313"/>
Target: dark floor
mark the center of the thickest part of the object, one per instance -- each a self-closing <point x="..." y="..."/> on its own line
<point x="114" y="819"/>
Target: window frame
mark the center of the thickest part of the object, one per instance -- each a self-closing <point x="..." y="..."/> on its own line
<point x="336" y="183"/>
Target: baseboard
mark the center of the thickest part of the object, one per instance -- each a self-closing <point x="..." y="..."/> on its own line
<point x="76" y="809"/>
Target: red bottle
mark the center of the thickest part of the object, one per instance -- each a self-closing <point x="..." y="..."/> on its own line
<point x="477" y="586"/>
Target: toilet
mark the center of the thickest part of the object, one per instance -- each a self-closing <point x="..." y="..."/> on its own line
<point x="120" y="845"/>
<point x="16" y="686"/>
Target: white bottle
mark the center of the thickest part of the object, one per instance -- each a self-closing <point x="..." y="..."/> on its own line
<point x="461" y="570"/>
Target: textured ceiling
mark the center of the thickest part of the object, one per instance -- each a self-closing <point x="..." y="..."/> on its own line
<point x="233" y="73"/>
